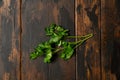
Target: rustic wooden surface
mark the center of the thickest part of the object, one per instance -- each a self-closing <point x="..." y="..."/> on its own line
<point x="9" y="40"/>
<point x="88" y="55"/>
<point x="36" y="15"/>
<point x="110" y="39"/>
<point x="22" y="24"/>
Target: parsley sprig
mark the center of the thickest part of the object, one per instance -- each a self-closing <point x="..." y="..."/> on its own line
<point x="57" y="44"/>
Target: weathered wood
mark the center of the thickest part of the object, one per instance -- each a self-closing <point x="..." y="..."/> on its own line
<point x="88" y="55"/>
<point x="9" y="40"/>
<point x="110" y="39"/>
<point x="96" y="59"/>
<point x="36" y="15"/>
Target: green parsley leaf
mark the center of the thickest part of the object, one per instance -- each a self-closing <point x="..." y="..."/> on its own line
<point x="67" y="52"/>
<point x="48" y="56"/>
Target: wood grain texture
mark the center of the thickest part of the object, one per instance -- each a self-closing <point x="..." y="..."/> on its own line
<point x="9" y="40"/>
<point x="36" y="15"/>
<point x="88" y="55"/>
<point x="110" y="39"/>
<point x="22" y="24"/>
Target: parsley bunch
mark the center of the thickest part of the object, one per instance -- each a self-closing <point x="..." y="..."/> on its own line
<point x="57" y="44"/>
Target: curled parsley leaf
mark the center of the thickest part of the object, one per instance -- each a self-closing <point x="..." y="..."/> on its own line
<point x="57" y="44"/>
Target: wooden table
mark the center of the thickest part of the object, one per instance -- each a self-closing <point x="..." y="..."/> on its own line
<point x="22" y="24"/>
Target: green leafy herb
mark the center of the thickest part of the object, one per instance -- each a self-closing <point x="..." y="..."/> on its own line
<point x="57" y="44"/>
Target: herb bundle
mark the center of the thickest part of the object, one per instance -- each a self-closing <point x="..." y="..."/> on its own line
<point x="57" y="44"/>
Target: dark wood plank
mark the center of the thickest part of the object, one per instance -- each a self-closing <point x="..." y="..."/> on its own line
<point x="110" y="39"/>
<point x="36" y="15"/>
<point x="9" y="40"/>
<point x="87" y="14"/>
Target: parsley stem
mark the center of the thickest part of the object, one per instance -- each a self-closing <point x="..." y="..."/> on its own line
<point x="81" y="36"/>
<point x="78" y="43"/>
<point x="58" y="49"/>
